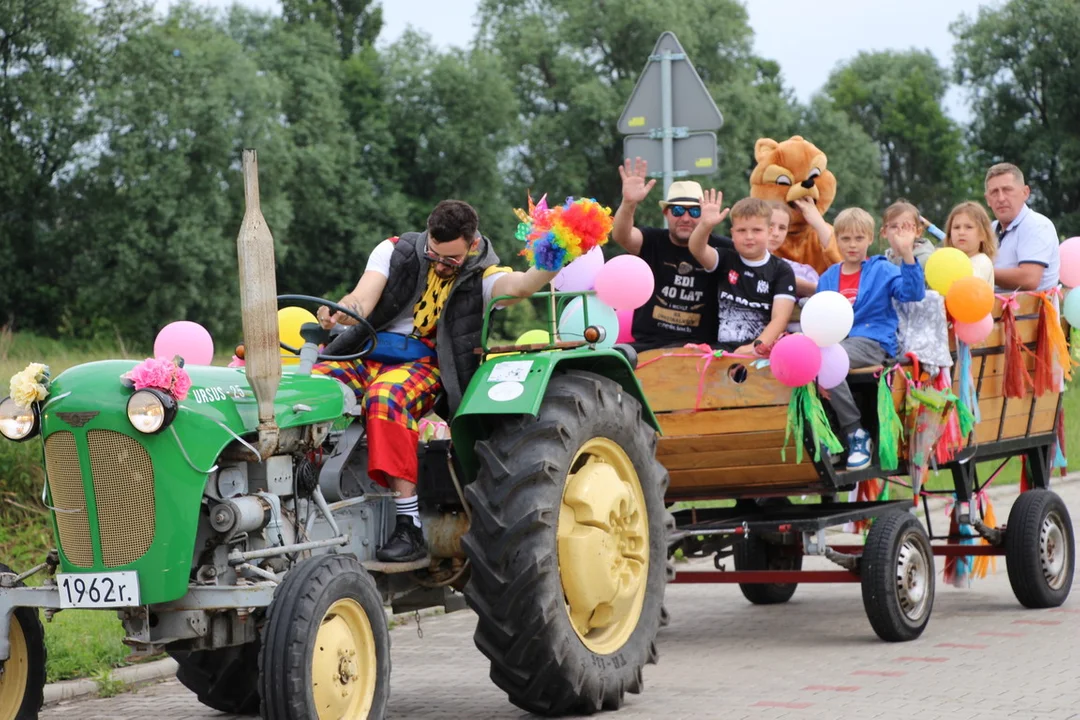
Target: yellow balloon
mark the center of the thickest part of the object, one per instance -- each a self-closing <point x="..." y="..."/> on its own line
<point x="534" y="337"/>
<point x="945" y="266"/>
<point x="289" y="321"/>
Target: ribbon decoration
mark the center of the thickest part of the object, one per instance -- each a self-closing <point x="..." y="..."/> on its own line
<point x="967" y="407"/>
<point x="1052" y="350"/>
<point x="705" y="355"/>
<point x="890" y="427"/>
<point x="805" y="407"/>
<point x="1017" y="377"/>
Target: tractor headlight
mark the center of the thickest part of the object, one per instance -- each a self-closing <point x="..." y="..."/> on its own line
<point x="18" y="423"/>
<point x="151" y="411"/>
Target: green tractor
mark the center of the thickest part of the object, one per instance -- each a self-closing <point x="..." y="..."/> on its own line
<point x="237" y="530"/>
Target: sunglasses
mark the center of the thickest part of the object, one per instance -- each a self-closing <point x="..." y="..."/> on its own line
<point x="680" y="210"/>
<point x="450" y="262"/>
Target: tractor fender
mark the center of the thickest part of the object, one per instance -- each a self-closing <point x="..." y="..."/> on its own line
<point x="516" y="384"/>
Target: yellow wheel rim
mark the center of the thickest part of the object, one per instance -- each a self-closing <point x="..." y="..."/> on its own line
<point x="344" y="664"/>
<point x="15" y="673"/>
<point x="603" y="541"/>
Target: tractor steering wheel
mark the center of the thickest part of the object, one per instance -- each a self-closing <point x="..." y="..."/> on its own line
<point x="356" y="342"/>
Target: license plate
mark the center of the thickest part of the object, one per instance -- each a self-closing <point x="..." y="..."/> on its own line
<point x="99" y="590"/>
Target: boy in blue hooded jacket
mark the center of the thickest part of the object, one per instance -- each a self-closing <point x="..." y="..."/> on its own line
<point x="870" y="284"/>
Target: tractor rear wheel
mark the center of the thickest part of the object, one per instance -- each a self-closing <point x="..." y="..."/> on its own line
<point x="325" y="646"/>
<point x="22" y="675"/>
<point x="568" y="548"/>
<point x="226" y="680"/>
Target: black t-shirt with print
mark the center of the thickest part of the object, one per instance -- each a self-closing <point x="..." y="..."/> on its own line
<point x="745" y="294"/>
<point x="683" y="306"/>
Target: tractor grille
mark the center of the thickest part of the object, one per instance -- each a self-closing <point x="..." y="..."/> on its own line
<point x="66" y="488"/>
<point x="124" y="491"/>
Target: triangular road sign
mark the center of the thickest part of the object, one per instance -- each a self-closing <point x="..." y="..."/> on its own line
<point x="692" y="106"/>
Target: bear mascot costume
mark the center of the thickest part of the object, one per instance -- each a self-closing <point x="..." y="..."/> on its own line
<point x="790" y="170"/>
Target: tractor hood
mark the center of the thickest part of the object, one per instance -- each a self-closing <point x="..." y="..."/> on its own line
<point x="219" y="395"/>
<point x="124" y="500"/>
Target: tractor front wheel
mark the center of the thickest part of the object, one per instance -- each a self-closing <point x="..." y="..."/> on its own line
<point x="325" y="646"/>
<point x="22" y="675"/>
<point x="568" y="548"/>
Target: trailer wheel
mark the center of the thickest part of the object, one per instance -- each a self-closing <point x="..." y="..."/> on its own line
<point x="898" y="575"/>
<point x="568" y="548"/>
<point x="1039" y="549"/>
<point x="325" y="645"/>
<point x="757" y="553"/>
<point x="226" y="680"/>
<point x="22" y="675"/>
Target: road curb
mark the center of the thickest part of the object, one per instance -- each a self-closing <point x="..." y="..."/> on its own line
<point x="134" y="676"/>
<point x="128" y="677"/>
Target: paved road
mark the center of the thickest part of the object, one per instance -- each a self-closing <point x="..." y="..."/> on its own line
<point x="982" y="656"/>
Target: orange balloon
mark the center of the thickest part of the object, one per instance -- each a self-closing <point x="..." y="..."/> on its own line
<point x="970" y="299"/>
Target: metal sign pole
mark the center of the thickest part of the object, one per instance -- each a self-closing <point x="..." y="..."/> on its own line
<point x="665" y="115"/>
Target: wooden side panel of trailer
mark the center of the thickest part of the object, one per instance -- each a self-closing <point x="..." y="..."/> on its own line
<point x="723" y="420"/>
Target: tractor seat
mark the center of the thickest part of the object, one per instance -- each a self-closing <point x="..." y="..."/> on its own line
<point x="629" y="353"/>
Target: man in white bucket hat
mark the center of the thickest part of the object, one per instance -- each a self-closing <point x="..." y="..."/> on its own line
<point x="683" y="307"/>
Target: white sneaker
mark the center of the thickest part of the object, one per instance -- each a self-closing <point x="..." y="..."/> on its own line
<point x="860" y="447"/>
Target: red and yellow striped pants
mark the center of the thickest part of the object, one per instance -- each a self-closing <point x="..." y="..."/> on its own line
<point x="394" y="398"/>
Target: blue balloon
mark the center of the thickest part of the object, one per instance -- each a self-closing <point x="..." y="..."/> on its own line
<point x="572" y="322"/>
<point x="1072" y="307"/>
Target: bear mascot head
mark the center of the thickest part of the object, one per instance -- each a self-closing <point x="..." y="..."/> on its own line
<point x="787" y="171"/>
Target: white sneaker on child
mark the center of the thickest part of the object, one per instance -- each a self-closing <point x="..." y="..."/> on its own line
<point x="859" y="450"/>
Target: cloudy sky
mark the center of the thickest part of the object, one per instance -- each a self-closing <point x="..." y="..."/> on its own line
<point x="808" y="39"/>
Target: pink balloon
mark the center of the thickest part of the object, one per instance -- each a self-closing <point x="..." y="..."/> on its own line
<point x="795" y="360"/>
<point x="835" y="366"/>
<point x="189" y="340"/>
<point x="1069" y="252"/>
<point x="625" y="282"/>
<point x="976" y="332"/>
<point x="626" y="320"/>
<point x="580" y="275"/>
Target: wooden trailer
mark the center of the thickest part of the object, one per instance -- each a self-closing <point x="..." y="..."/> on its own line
<point x="723" y="424"/>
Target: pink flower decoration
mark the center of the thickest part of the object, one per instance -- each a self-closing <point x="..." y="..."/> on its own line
<point x="150" y="373"/>
<point x="160" y="374"/>
<point x="181" y="384"/>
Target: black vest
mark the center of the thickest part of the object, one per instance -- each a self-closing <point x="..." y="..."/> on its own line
<point x="458" y="332"/>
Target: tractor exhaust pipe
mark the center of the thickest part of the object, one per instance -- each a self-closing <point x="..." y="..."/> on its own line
<point x="258" y="306"/>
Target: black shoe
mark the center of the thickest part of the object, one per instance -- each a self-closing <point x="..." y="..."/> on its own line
<point x="406" y="544"/>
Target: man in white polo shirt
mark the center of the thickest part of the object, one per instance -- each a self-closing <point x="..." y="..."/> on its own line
<point x="1028" y="256"/>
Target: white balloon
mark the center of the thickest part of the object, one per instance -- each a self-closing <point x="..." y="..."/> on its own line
<point x="827" y="318"/>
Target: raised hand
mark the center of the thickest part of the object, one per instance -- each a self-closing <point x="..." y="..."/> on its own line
<point x="711" y="214"/>
<point x="634" y="186"/>
<point x="809" y="210"/>
<point x="901" y="239"/>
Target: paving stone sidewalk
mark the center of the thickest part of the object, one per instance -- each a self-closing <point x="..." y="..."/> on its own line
<point x="982" y="656"/>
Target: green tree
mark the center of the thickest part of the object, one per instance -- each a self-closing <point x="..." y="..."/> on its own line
<point x="452" y="116"/>
<point x="50" y="53"/>
<point x="354" y="23"/>
<point x="853" y="156"/>
<point x="896" y="98"/>
<point x="1021" y="61"/>
<point x="153" y="222"/>
<point x="343" y="200"/>
<point x="574" y="64"/>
